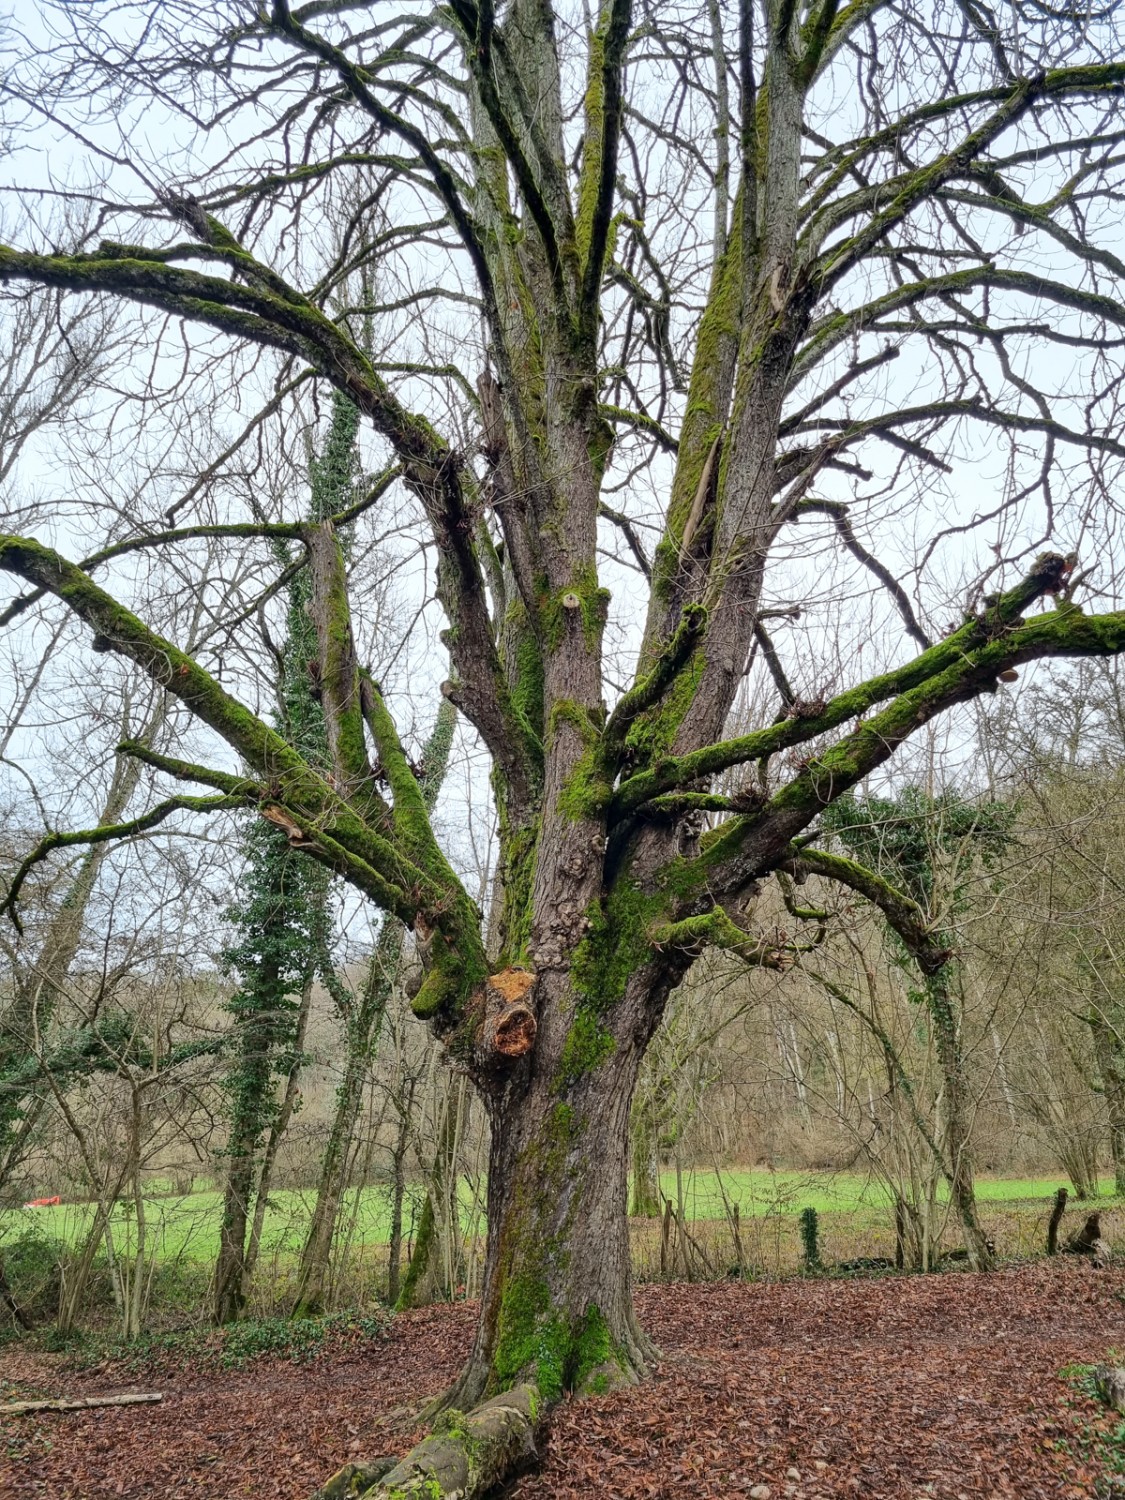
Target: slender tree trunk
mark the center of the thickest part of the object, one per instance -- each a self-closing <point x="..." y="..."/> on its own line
<point x="958" y="1112"/>
<point x="646" y="1163"/>
<point x="426" y="1276"/>
<point x="363" y="1026"/>
<point x="1109" y="1050"/>
<point x="253" y="1097"/>
<point x="395" y="1290"/>
<point x="278" y="1128"/>
<point x="24" y="1021"/>
<point x="362" y="1029"/>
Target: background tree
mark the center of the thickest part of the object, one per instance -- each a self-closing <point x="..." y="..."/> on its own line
<point x="872" y="178"/>
<point x="928" y="846"/>
<point x="363" y="1021"/>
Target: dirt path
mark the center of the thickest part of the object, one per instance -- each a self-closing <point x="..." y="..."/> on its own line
<point x="892" y="1389"/>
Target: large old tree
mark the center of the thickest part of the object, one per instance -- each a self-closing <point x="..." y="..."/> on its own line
<point x="779" y="266"/>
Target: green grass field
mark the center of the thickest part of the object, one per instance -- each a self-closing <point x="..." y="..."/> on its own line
<point x="187" y="1228"/>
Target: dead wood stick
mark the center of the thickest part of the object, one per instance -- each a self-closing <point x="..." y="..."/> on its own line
<point x="1056" y="1219"/>
<point x="17" y="1408"/>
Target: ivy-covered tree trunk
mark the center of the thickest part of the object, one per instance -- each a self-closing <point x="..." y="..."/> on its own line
<point x="282" y="920"/>
<point x="264" y="1025"/>
<point x="958" y="1111"/>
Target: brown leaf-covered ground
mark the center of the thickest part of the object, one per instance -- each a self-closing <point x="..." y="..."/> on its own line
<point x="886" y="1389"/>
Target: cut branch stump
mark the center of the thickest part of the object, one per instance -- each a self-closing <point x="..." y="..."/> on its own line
<point x="1086" y="1240"/>
<point x="1109" y="1382"/>
<point x="509" y="1019"/>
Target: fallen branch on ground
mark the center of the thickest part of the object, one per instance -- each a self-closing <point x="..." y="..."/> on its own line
<point x="17" y="1408"/>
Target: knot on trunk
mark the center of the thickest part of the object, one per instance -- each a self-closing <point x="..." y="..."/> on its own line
<point x="509" y="1019"/>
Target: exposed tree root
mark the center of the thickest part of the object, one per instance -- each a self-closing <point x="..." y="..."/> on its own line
<point x="465" y="1456"/>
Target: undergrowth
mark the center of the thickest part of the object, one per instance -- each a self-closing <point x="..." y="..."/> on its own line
<point x="1099" y="1443"/>
<point x="236" y="1344"/>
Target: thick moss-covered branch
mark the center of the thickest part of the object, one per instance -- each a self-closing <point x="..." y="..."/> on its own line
<point x="552" y="220"/>
<point x="300" y="799"/>
<point x="466" y="1455"/>
<point x="118" y="629"/>
<point x="708" y="404"/>
<point x="903" y="914"/>
<point x="112" y="832"/>
<point x="716" y="929"/>
<point x="652" y="687"/>
<point x="743" y="848"/>
<point x="815" y="34"/>
<point x="250" y="530"/>
<point x="412" y="799"/>
<point x="339" y="671"/>
<point x="186" y="770"/>
<point x="243" y="309"/>
<point x="964" y="664"/>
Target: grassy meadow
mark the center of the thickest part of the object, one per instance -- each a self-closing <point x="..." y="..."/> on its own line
<point x="853" y="1209"/>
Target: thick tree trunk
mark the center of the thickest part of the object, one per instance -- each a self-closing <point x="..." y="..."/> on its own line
<point x="556" y="1306"/>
